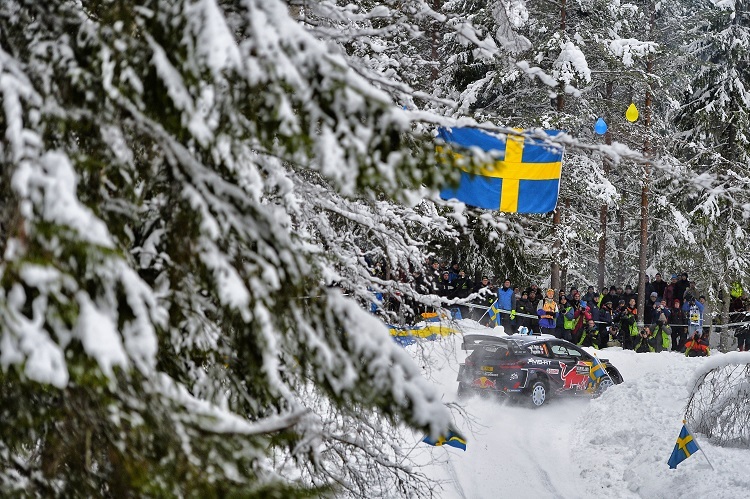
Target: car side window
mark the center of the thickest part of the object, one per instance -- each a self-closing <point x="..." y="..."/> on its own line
<point x="539" y="349"/>
<point x="563" y="351"/>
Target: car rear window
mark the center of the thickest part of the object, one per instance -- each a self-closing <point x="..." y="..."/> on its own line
<point x="490" y="352"/>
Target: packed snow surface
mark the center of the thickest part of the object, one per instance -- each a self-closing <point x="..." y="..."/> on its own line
<point x="614" y="446"/>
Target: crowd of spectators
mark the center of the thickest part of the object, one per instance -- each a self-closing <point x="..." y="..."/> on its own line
<point x="673" y="316"/>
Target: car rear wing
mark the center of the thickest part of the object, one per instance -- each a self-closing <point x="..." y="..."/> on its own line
<point x="473" y="341"/>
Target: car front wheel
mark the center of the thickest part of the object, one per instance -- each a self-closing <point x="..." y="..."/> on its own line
<point x="538" y="394"/>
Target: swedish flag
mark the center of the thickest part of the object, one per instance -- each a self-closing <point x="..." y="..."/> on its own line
<point x="494" y="312"/>
<point x="597" y="371"/>
<point x="685" y="447"/>
<point x="452" y="439"/>
<point x="525" y="178"/>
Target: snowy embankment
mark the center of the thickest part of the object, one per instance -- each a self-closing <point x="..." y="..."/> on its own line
<point x="616" y="446"/>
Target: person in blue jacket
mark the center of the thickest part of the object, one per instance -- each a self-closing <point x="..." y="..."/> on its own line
<point x="694" y="311"/>
<point x="506" y="301"/>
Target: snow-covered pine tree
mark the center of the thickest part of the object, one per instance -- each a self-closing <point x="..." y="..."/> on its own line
<point x="166" y="322"/>
<point x="715" y="120"/>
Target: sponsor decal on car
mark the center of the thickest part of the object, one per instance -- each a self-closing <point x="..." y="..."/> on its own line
<point x="484" y="382"/>
<point x="572" y="377"/>
<point x="540" y="362"/>
<point x="553" y="371"/>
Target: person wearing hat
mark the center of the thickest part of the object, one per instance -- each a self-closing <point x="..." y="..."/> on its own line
<point x="547" y="311"/>
<point x="658" y="285"/>
<point x="524" y="307"/>
<point x="669" y="290"/>
<point x="506" y="302"/>
<point x="680" y="287"/>
<point x="485" y="298"/>
<point x="445" y="287"/>
<point x="678" y="323"/>
<point x="649" y="307"/>
<point x="694" y="310"/>
<point x="628" y="294"/>
<point x="662" y="334"/>
<point x="605" y="322"/>
<point x="628" y="327"/>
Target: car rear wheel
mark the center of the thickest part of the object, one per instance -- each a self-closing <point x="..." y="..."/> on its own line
<point x="538" y="394"/>
<point x="605" y="384"/>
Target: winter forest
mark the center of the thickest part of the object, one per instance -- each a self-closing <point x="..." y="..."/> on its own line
<point x="195" y="192"/>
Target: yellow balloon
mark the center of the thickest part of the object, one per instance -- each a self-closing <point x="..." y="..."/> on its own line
<point x="632" y="113"/>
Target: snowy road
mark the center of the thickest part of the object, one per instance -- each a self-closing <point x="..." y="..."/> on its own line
<point x="613" y="447"/>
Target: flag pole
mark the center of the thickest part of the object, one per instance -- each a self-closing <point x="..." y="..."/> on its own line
<point x="699" y="446"/>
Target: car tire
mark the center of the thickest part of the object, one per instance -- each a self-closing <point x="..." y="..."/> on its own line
<point x="538" y="394"/>
<point x="604" y="385"/>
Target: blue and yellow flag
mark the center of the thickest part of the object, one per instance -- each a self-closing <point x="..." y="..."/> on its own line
<point x="525" y="177"/>
<point x="685" y="447"/>
<point x="597" y="371"/>
<point x="494" y="312"/>
<point x="452" y="439"/>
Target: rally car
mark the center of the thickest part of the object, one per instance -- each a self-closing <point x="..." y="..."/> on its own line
<point x="534" y="368"/>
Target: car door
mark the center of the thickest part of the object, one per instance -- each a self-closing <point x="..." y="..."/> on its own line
<point x="574" y="364"/>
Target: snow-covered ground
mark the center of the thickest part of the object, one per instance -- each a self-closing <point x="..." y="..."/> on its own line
<point x="615" y="446"/>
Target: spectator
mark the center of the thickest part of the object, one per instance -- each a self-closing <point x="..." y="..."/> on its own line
<point x="485" y="299"/>
<point x="593" y="309"/>
<point x="461" y="290"/>
<point x="678" y="322"/>
<point x="697" y="346"/>
<point x="506" y="301"/>
<point x="547" y="311"/>
<point x="462" y="285"/>
<point x="651" y="304"/>
<point x="605" y="322"/>
<point x="680" y="287"/>
<point x="453" y="272"/>
<point x="445" y="288"/>
<point x="658" y="285"/>
<point x="662" y="334"/>
<point x="743" y="333"/>
<point x="524" y="306"/>
<point x="644" y="341"/>
<point x="628" y="294"/>
<point x="669" y="290"/>
<point x="433" y="277"/>
<point x="613" y="296"/>
<point x="591" y="295"/>
<point x="628" y="327"/>
<point x="694" y="311"/>
<point x="567" y="313"/>
<point x="589" y="335"/>
<point x="648" y="288"/>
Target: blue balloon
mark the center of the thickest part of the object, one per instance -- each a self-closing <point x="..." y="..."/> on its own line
<point x="600" y="126"/>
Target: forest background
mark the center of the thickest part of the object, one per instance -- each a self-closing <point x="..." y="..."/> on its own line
<point x="188" y="186"/>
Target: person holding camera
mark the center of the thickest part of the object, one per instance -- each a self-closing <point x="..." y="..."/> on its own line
<point x="628" y="329"/>
<point x="694" y="311"/>
<point x="590" y="335"/>
<point x="645" y="341"/>
<point x="662" y="334"/>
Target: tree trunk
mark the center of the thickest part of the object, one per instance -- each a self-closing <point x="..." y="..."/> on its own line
<point x="555" y="266"/>
<point x="603" y="211"/>
<point x="643" y="250"/>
